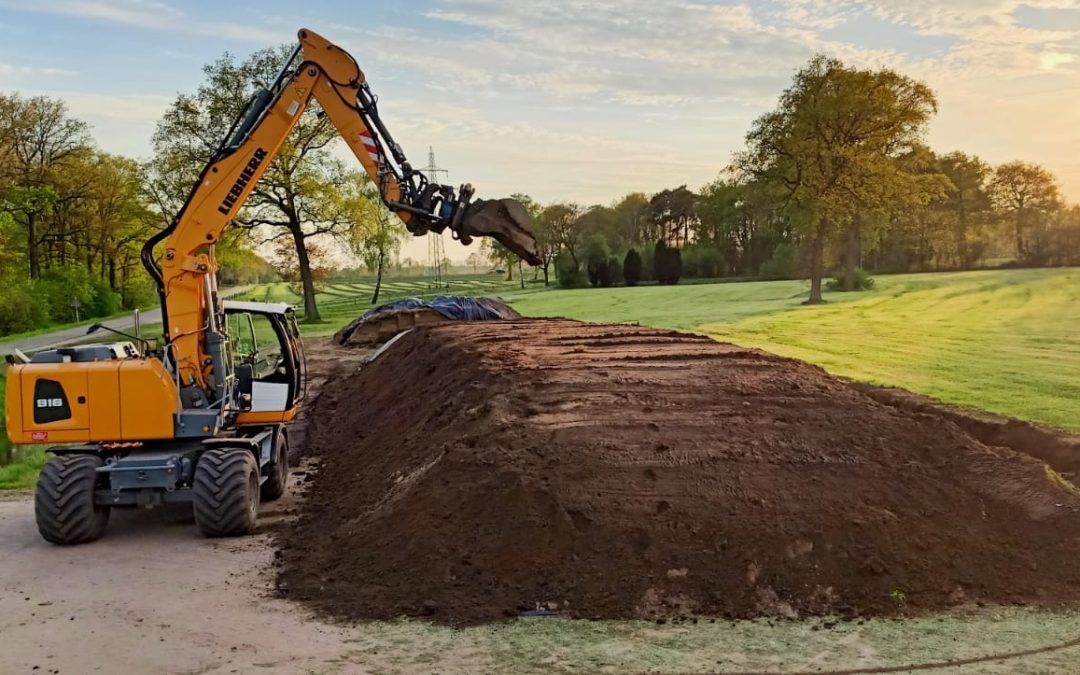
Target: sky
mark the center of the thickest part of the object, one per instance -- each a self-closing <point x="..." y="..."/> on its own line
<point x="581" y="100"/>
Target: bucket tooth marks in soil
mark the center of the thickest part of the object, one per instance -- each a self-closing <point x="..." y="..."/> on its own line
<point x="476" y="471"/>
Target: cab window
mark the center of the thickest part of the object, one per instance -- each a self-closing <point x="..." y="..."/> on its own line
<point x="256" y="344"/>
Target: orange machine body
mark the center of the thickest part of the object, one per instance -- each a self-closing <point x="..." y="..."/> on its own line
<point x="104" y="401"/>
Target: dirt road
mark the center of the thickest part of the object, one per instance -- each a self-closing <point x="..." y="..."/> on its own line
<point x="150" y="598"/>
<point x="155" y="597"/>
<point x="160" y="599"/>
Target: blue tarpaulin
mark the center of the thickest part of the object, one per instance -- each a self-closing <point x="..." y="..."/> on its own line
<point x="454" y="307"/>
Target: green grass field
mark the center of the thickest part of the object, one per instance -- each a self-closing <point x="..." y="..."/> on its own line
<point x="1005" y="341"/>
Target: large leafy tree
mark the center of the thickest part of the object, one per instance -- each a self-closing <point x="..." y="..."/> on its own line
<point x="1028" y="194"/>
<point x="297" y="198"/>
<point x="631" y="221"/>
<point x="39" y="142"/>
<point x="831" y="149"/>
<point x="376" y="234"/>
<point x="968" y="204"/>
<point x="673" y="213"/>
<point x="560" y="221"/>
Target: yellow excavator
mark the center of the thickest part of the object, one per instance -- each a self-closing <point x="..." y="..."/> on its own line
<point x="199" y="420"/>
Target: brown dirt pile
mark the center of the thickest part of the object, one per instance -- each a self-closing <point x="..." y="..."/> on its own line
<point x="475" y="471"/>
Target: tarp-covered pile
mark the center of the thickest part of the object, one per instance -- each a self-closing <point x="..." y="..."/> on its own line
<point x="383" y="322"/>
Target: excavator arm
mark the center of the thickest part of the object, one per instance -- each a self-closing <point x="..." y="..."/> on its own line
<point x="186" y="271"/>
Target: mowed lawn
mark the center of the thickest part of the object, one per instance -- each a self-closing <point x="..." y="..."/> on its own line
<point x="1006" y="341"/>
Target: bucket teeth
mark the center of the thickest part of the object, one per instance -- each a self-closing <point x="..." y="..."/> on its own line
<point x="504" y="220"/>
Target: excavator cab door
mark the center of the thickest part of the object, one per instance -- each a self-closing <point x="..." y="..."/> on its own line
<point x="268" y="358"/>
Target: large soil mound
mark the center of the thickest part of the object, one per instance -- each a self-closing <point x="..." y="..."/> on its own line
<point x="476" y="471"/>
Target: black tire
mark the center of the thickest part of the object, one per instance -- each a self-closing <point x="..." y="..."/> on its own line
<point x="64" y="500"/>
<point x="226" y="492"/>
<point x="277" y="478"/>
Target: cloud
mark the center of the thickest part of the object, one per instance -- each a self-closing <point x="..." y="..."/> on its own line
<point x="121" y="124"/>
<point x="147" y="14"/>
<point x="691" y="75"/>
<point x="142" y="109"/>
<point x="33" y="71"/>
<point x="587" y="99"/>
<point x="1051" y="60"/>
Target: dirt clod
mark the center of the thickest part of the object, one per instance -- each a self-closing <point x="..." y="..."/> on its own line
<point x="473" y="470"/>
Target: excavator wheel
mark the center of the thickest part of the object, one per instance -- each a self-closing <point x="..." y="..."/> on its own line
<point x="226" y="492"/>
<point x="64" y="500"/>
<point x="278" y="478"/>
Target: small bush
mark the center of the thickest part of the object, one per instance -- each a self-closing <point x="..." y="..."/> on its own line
<point x="863" y="282"/>
<point x="783" y="264"/>
<point x="59" y="288"/>
<point x="648" y="262"/>
<point x="139" y="292"/>
<point x="20" y="309"/>
<point x="701" y="262"/>
<point x="614" y="271"/>
<point x="104" y="301"/>
<point x="632" y="267"/>
<point x="570" y="275"/>
<point x="596" y="260"/>
<point x="667" y="264"/>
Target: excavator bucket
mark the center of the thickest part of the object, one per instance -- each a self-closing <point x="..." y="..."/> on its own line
<point x="504" y="220"/>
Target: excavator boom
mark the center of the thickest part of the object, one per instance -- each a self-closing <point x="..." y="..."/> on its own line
<point x="201" y="422"/>
<point x="321" y="70"/>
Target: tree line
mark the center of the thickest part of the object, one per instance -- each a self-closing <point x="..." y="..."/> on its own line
<point x="73" y="218"/>
<point x="837" y="179"/>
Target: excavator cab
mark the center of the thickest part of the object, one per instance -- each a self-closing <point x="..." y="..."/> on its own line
<point x="268" y="361"/>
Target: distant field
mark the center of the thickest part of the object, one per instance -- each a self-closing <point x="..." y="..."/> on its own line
<point x="1005" y="341"/>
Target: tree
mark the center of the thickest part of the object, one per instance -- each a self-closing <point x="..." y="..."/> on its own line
<point x="596" y="259"/>
<point x="632" y="222"/>
<point x="561" y="230"/>
<point x="672" y="212"/>
<point x="968" y="202"/>
<point x="28" y="206"/>
<point x="667" y="263"/>
<point x="39" y="142"/>
<point x="288" y="264"/>
<point x="596" y="220"/>
<point x="568" y="271"/>
<point x="613" y="273"/>
<point x="503" y="257"/>
<point x="721" y="222"/>
<point x="1028" y="193"/>
<point x="297" y="198"/>
<point x="473" y="261"/>
<point x="831" y="149"/>
<point x="632" y="267"/>
<point x="375" y="234"/>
